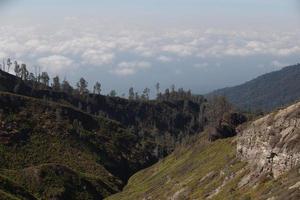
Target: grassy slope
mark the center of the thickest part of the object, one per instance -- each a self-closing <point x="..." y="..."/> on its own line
<point x="204" y="171"/>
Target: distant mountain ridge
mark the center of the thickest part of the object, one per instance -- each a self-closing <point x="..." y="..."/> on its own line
<point x="266" y="92"/>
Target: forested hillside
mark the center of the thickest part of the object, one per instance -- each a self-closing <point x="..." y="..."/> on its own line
<point x="266" y="92"/>
<point x="73" y="144"/>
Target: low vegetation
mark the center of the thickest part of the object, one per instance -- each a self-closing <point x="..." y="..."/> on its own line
<point x="206" y="170"/>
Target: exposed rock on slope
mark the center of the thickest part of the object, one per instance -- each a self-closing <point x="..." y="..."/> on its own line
<point x="272" y="144"/>
<point x="267" y="166"/>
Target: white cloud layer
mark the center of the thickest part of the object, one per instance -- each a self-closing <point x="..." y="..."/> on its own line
<point x="56" y="63"/>
<point x="130" y="68"/>
<point x="72" y="45"/>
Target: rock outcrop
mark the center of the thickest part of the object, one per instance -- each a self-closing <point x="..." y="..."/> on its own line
<point x="271" y="145"/>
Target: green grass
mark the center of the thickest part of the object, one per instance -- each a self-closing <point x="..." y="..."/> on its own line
<point x="197" y="172"/>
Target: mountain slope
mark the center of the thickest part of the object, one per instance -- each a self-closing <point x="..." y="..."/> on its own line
<point x="266" y="92"/>
<point x="53" y="143"/>
<point x="262" y="162"/>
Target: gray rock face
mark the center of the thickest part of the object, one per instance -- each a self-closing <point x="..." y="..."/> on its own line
<point x="272" y="144"/>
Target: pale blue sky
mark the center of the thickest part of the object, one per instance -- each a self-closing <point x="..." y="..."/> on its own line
<point x="212" y="10"/>
<point x="197" y="44"/>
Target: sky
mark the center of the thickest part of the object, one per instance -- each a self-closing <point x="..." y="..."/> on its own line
<point x="195" y="44"/>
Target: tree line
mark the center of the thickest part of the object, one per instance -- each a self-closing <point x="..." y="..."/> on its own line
<point x="41" y="80"/>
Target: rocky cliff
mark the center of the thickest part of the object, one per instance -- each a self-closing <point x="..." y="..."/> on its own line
<point x="272" y="144"/>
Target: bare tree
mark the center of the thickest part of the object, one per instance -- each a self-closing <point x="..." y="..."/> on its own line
<point x="157" y="87"/>
<point x="9" y="63"/>
<point x="17" y="69"/>
<point x="167" y="94"/>
<point x="82" y="86"/>
<point x="131" y="94"/>
<point x="146" y="94"/>
<point x="24" y="72"/>
<point x="56" y="84"/>
<point x="97" y="88"/>
<point x="45" y="78"/>
<point x="31" y="77"/>
<point x="66" y="87"/>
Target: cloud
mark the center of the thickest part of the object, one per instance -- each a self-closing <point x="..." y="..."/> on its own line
<point x="179" y="49"/>
<point x="165" y="59"/>
<point x="289" y="51"/>
<point x="104" y="45"/>
<point x="94" y="57"/>
<point x="56" y="63"/>
<point x="278" y="64"/>
<point x="130" y="68"/>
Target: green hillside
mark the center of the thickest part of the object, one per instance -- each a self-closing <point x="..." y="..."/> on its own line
<point x="206" y="171"/>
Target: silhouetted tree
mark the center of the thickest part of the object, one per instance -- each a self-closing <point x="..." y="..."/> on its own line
<point x="157" y="87"/>
<point x="137" y="96"/>
<point x="217" y="107"/>
<point x="66" y="87"/>
<point x="131" y="94"/>
<point x="167" y="94"/>
<point x="82" y="86"/>
<point x="146" y="94"/>
<point x="24" y="72"/>
<point x="17" y="69"/>
<point x="45" y="78"/>
<point x="97" y="88"/>
<point x="8" y="63"/>
<point x="31" y="77"/>
<point x="56" y="83"/>
<point x="113" y="93"/>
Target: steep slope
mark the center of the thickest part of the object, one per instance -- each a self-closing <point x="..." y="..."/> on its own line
<point x="266" y="92"/>
<point x="262" y="162"/>
<point x="52" y="143"/>
<point x="53" y="181"/>
<point x="10" y="190"/>
<point x="272" y="143"/>
<point x="72" y="144"/>
<point x="33" y="133"/>
<point x="169" y="121"/>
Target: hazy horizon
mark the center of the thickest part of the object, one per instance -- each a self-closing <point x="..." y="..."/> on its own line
<point x="200" y="45"/>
